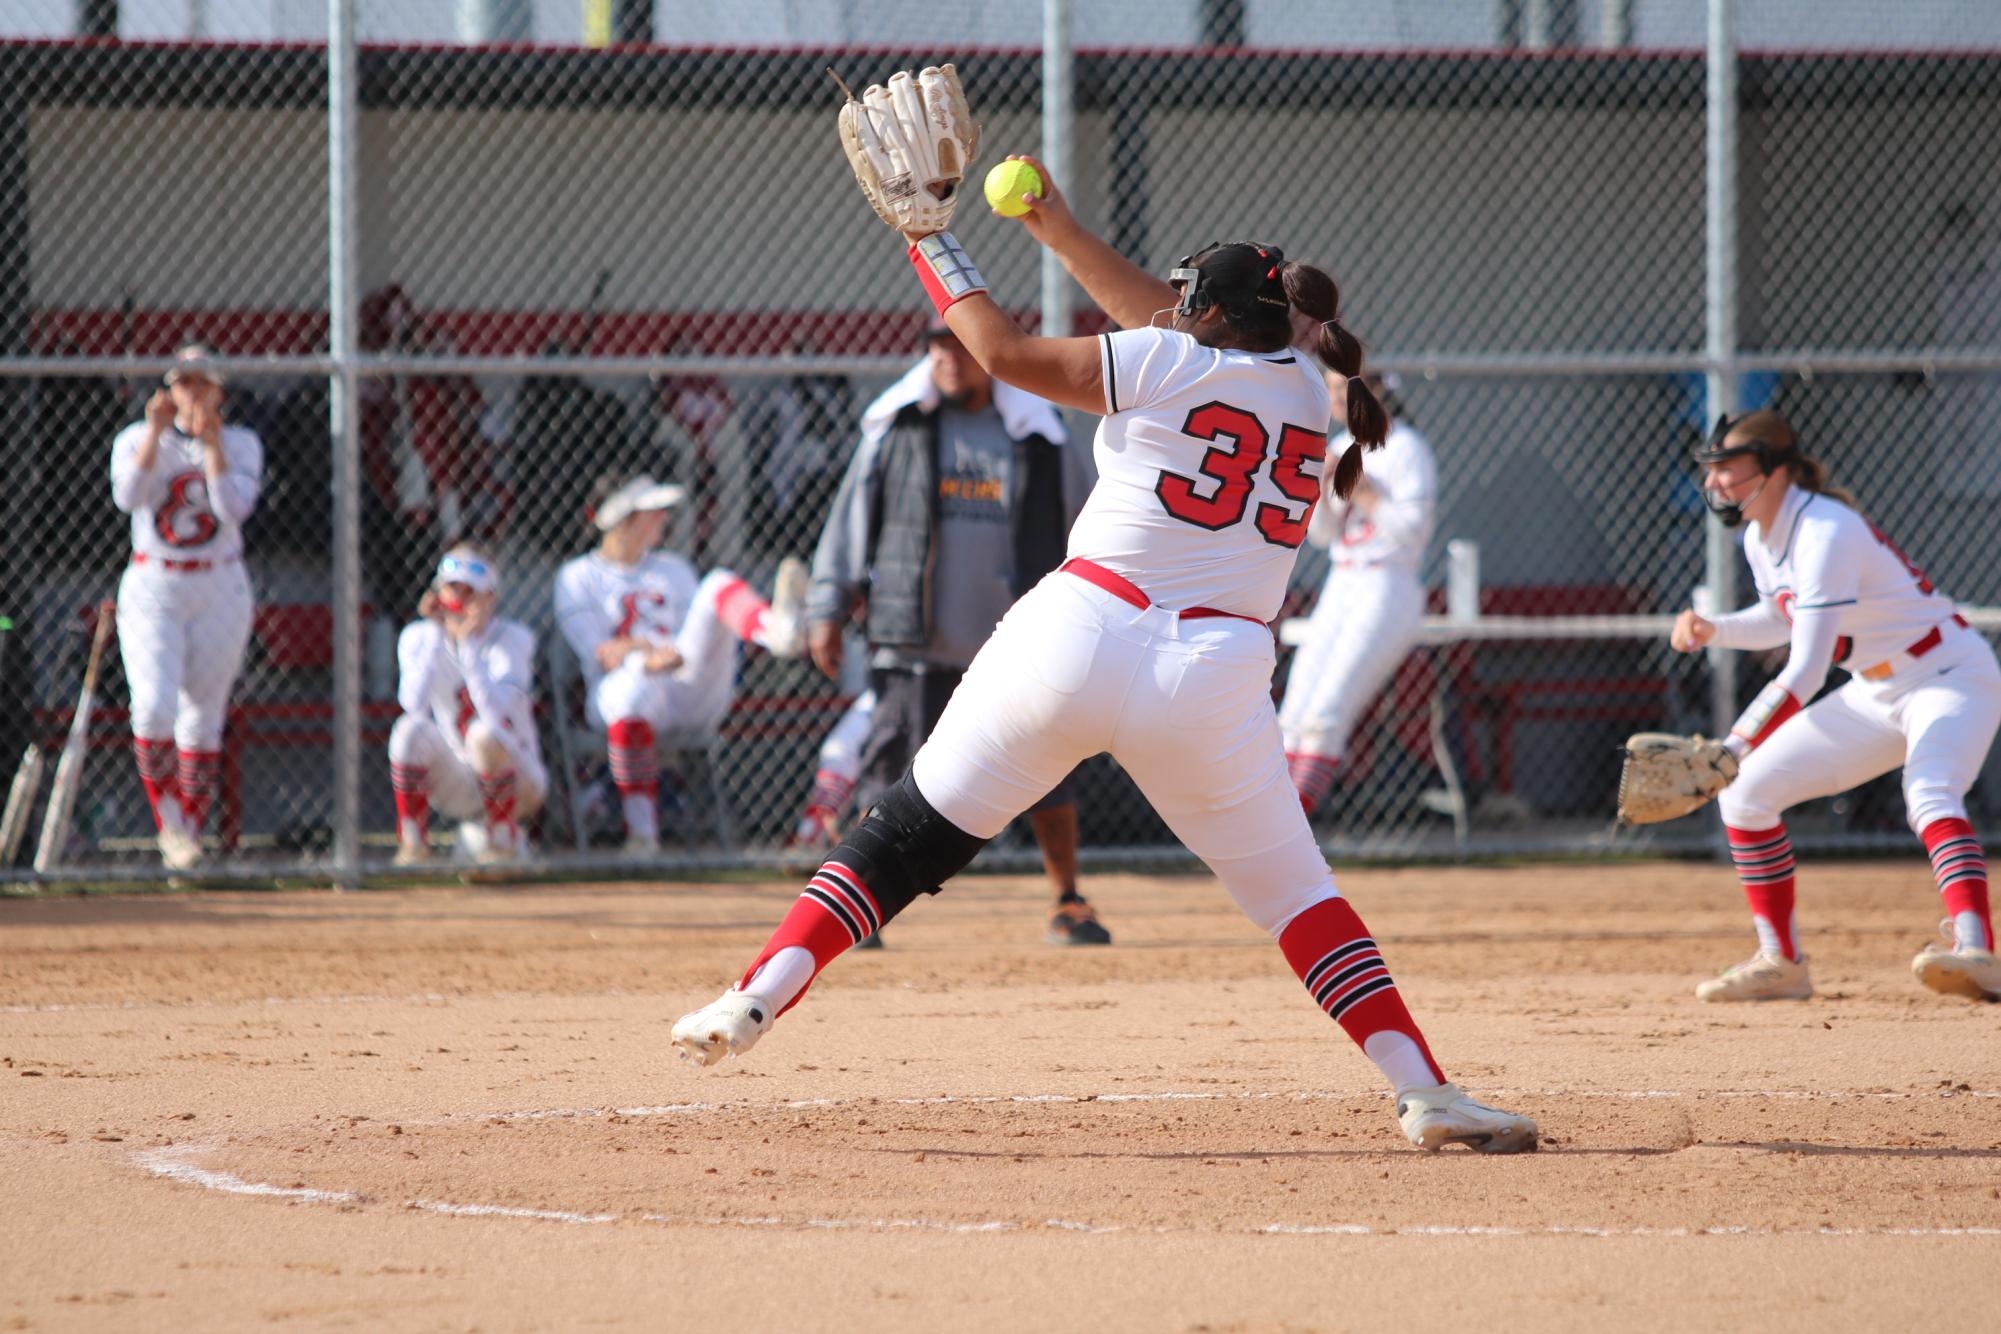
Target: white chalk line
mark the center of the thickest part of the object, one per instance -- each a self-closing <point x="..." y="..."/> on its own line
<point x="1305" y="1095"/>
<point x="172" y="1164"/>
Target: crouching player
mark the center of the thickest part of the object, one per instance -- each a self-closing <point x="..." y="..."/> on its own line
<point x="466" y="742"/>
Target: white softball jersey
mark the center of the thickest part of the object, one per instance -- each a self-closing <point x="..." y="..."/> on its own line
<point x="176" y="514"/>
<point x="1924" y="691"/>
<point x="1150" y="643"/>
<point x="490" y="677"/>
<point x="1398" y="531"/>
<point x="1208" y="470"/>
<point x="597" y="599"/>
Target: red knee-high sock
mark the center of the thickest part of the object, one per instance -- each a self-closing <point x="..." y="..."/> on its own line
<point x="834" y="913"/>
<point x="412" y="785"/>
<point x="740" y="608"/>
<point x="1961" y="869"/>
<point x="156" y="773"/>
<point x="496" y="793"/>
<point x="634" y="768"/>
<point x="200" y="775"/>
<point x="1764" y="859"/>
<point x="1331" y="950"/>
<point x="1313" y="776"/>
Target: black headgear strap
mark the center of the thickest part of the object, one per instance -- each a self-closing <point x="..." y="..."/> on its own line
<point x="1196" y="296"/>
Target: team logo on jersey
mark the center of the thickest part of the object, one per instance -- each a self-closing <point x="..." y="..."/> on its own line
<point x="644" y="607"/>
<point x="185" y="520"/>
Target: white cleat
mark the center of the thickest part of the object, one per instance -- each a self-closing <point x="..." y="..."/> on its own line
<point x="1951" y="971"/>
<point x="1761" y="977"/>
<point x="784" y="632"/>
<point x="1434" y="1118"/>
<point x="412" y="854"/>
<point x="179" y="849"/>
<point x="727" y="1026"/>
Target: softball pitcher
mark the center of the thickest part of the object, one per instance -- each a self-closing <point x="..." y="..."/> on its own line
<point x="1371" y="607"/>
<point x="1923" y="692"/>
<point x="466" y="742"/>
<point x="1150" y="642"/>
<point x="189" y="482"/>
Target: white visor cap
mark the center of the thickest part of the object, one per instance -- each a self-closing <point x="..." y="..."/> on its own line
<point x="641" y="493"/>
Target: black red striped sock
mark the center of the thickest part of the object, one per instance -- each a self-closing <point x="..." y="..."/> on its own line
<point x="1764" y="859"/>
<point x="1333" y="954"/>
<point x="200" y="774"/>
<point x="1961" y="869"/>
<point x="156" y="773"/>
<point x="834" y="913"/>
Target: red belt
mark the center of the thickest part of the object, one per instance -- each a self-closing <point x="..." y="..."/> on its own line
<point x="1126" y="591"/>
<point x="1882" y="671"/>
<point x="180" y="566"/>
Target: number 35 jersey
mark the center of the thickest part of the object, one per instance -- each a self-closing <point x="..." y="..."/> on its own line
<point x="1208" y="470"/>
<point x="176" y="513"/>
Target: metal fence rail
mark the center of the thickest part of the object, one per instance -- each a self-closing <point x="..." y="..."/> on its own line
<point x="454" y="283"/>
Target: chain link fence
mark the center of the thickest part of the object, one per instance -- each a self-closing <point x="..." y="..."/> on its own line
<point x="580" y="259"/>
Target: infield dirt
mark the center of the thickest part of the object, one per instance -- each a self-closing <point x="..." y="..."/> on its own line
<point x="457" y="1109"/>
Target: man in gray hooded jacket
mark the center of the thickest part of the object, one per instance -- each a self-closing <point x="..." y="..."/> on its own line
<point x="957" y="501"/>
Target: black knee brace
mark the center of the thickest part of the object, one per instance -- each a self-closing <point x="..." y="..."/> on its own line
<point x="904" y="848"/>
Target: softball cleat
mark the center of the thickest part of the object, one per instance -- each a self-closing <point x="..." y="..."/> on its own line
<point x="1950" y="971"/>
<point x="1433" y="1118"/>
<point x="727" y="1026"/>
<point x="1761" y="977"/>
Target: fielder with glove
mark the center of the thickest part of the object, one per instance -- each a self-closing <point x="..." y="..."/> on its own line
<point x="1923" y="692"/>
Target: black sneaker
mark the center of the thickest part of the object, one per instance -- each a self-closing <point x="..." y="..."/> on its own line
<point x="1076" y="923"/>
<point x="871" y="941"/>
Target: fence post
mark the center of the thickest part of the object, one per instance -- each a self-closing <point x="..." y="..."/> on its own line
<point x="344" y="418"/>
<point x="1058" y="117"/>
<point x="1720" y="554"/>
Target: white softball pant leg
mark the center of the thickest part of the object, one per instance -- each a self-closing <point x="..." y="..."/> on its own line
<point x="453" y="779"/>
<point x="664" y="699"/>
<point x="1833" y="744"/>
<point x="1183" y="706"/>
<point x="1948" y="720"/>
<point x="181" y="636"/>
<point x="1362" y="628"/>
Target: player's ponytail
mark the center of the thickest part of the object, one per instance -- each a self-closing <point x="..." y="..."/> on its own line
<point x="1313" y="293"/>
<point x="1811" y="473"/>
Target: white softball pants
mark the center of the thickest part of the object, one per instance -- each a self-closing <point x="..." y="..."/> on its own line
<point x="1364" y="625"/>
<point x="453" y="784"/>
<point x="1184" y="706"/>
<point x="695" y="694"/>
<point x="181" y="635"/>
<point x="1936" y="718"/>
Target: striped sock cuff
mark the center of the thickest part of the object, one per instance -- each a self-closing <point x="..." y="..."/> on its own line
<point x="409" y="777"/>
<point x="157" y="760"/>
<point x="1347" y="974"/>
<point x="1312" y="776"/>
<point x="841" y="893"/>
<point x="1762" y="857"/>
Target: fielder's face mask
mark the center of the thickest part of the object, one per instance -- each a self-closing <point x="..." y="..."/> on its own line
<point x="1715" y="451"/>
<point x="458" y="570"/>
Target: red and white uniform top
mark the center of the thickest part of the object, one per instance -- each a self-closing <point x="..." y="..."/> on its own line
<point x="1405" y="475"/>
<point x="1208" y="470"/>
<point x="598" y="599"/>
<point x="1834" y="589"/>
<point x="490" y="676"/>
<point x="176" y="514"/>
